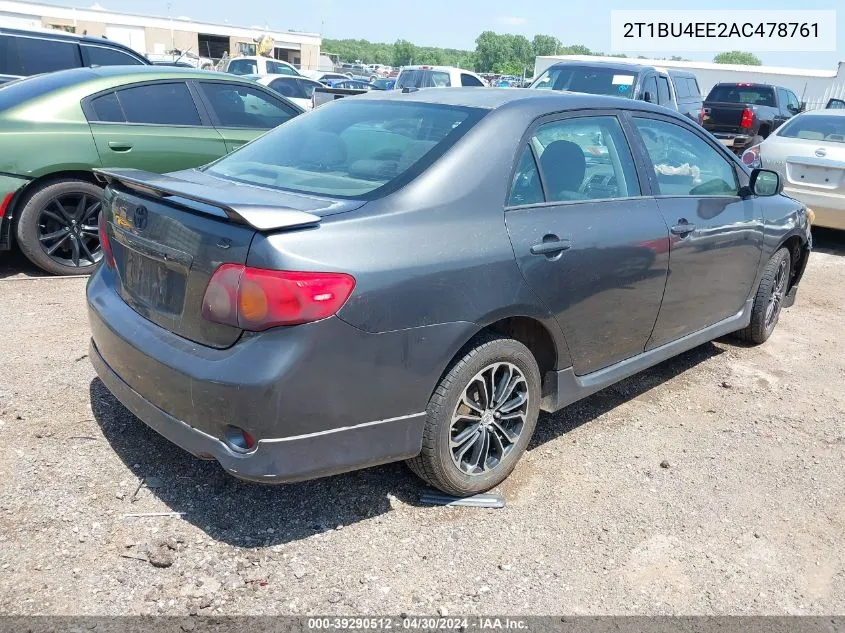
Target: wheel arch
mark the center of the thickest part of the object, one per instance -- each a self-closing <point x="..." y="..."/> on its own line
<point x="33" y="185"/>
<point x="27" y="191"/>
<point x="799" y="255"/>
<point x="538" y="336"/>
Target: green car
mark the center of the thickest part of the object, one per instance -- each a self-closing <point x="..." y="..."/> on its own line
<point x="55" y="128"/>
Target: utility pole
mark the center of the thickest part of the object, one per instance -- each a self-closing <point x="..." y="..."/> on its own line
<point x="172" y="34"/>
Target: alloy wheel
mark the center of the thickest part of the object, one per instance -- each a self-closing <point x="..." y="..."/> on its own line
<point x="67" y="230"/>
<point x="777" y="294"/>
<point x="489" y="418"/>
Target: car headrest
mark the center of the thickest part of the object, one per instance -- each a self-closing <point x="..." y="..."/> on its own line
<point x="563" y="166"/>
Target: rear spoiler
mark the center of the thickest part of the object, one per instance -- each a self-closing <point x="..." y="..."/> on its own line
<point x="262" y="217"/>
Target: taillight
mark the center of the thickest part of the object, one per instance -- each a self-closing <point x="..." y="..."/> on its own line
<point x="751" y="157"/>
<point x="257" y="299"/>
<point x="104" y="240"/>
<point x="747" y="119"/>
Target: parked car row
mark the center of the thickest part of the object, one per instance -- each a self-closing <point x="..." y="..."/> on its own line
<point x="237" y="273"/>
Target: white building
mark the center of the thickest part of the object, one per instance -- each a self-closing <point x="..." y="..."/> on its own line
<point x="148" y="34"/>
<point x="813" y="86"/>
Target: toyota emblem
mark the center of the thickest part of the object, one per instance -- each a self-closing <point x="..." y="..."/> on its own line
<point x="140" y="218"/>
<point x="821" y="152"/>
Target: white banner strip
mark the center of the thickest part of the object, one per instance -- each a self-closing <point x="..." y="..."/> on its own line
<point x="717" y="31"/>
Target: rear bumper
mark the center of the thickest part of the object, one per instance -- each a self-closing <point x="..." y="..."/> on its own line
<point x="736" y="142"/>
<point x="828" y="208"/>
<point x="320" y="398"/>
<point x="276" y="460"/>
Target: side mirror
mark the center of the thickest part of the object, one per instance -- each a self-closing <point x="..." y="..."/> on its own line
<point x="647" y="97"/>
<point x="802" y="106"/>
<point x="765" y="182"/>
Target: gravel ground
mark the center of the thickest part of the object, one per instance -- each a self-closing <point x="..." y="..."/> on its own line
<point x="711" y="484"/>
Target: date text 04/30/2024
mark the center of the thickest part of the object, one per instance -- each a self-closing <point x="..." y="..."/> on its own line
<point x="478" y="623"/>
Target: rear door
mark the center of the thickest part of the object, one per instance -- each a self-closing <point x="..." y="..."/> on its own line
<point x="241" y="112"/>
<point x="588" y="238"/>
<point x="716" y="236"/>
<point x="155" y="126"/>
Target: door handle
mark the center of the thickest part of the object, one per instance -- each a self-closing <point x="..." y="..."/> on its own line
<point x="117" y="146"/>
<point x="550" y="247"/>
<point x="682" y="228"/>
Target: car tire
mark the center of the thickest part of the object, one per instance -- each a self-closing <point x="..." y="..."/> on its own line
<point x="502" y="431"/>
<point x="39" y="218"/>
<point x="768" y="301"/>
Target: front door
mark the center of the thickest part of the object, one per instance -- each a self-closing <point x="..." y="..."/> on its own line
<point x="589" y="244"/>
<point x="242" y="113"/>
<point x="153" y="126"/>
<point x="716" y="236"/>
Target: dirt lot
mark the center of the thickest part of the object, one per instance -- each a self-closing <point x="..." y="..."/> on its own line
<point x="747" y="517"/>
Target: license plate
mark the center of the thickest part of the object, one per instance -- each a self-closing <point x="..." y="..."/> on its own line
<point x="827" y="177"/>
<point x="727" y="142"/>
<point x="153" y="283"/>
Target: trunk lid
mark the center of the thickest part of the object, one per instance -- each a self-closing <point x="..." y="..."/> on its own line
<point x="810" y="165"/>
<point x="170" y="233"/>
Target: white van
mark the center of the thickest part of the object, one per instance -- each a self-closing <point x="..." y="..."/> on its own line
<point x="436" y="77"/>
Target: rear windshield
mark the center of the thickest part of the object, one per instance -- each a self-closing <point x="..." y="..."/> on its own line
<point x="349" y="148"/>
<point x="750" y="95"/>
<point x="423" y="79"/>
<point x="596" y="81"/>
<point x="829" y="128"/>
<point x="18" y="91"/>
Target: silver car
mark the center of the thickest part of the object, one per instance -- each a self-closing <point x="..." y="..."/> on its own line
<point x="808" y="152"/>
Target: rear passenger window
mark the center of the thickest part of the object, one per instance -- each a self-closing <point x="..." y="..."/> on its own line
<point x="32" y="55"/>
<point x="100" y="56"/>
<point x="106" y="108"/>
<point x="526" y="187"/>
<point x="684" y="164"/>
<point x="585" y="158"/>
<point x="681" y="87"/>
<point x="159" y="104"/>
<point x="241" y="106"/>
<point x="469" y="80"/>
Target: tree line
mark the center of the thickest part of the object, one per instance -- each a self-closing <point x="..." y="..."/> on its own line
<point x="503" y="53"/>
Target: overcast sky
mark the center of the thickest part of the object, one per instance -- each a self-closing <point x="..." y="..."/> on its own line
<point x="456" y="23"/>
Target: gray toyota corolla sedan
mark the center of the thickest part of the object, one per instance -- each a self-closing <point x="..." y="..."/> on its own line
<point x="415" y="275"/>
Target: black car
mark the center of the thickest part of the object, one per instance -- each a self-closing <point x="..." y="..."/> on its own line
<point x="742" y="115"/>
<point x="415" y="275"/>
<point x="29" y="52"/>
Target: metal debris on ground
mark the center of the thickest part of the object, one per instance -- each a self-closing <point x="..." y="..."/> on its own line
<point x="489" y="500"/>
